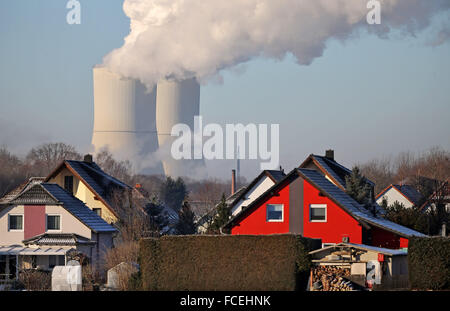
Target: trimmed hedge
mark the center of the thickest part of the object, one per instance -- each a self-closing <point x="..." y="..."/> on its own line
<point x="429" y="263"/>
<point x="226" y="262"/>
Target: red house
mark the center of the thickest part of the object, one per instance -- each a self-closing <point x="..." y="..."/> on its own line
<point x="305" y="202"/>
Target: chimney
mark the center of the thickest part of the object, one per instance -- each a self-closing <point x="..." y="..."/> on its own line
<point x="233" y="182"/>
<point x="88" y="158"/>
<point x="329" y="154"/>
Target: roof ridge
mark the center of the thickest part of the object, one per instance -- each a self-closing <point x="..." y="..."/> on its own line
<point x="99" y="170"/>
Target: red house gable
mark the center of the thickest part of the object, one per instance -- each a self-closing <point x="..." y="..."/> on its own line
<point x="306" y="203"/>
<point x="256" y="222"/>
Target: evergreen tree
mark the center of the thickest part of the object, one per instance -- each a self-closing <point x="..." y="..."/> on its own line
<point x="223" y="214"/>
<point x="173" y="193"/>
<point x="408" y="217"/>
<point x="357" y="187"/>
<point x="186" y="222"/>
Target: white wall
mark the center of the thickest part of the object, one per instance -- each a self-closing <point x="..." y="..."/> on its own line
<point x="69" y="224"/>
<point x="10" y="237"/>
<point x="393" y="195"/>
<point x="257" y="190"/>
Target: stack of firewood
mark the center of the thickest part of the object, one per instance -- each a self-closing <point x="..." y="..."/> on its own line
<point x="331" y="278"/>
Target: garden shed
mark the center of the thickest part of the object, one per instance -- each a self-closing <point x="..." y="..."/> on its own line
<point x="339" y="266"/>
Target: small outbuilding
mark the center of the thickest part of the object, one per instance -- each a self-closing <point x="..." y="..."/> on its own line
<point x="363" y="265"/>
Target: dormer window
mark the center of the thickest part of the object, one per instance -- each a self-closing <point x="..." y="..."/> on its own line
<point x="68" y="183"/>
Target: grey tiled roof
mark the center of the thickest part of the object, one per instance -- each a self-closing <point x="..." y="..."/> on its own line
<point x="34" y="195"/>
<point x="277" y="175"/>
<point x="338" y="171"/>
<point x="78" y="209"/>
<point x="408" y="191"/>
<point x="63" y="239"/>
<point x="101" y="182"/>
<point x="21" y="188"/>
<point x="233" y="197"/>
<point x="353" y="207"/>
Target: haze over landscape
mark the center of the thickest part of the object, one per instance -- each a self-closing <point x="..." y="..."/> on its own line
<point x="366" y="93"/>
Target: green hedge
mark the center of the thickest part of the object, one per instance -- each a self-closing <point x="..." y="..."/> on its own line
<point x="226" y="262"/>
<point x="429" y="263"/>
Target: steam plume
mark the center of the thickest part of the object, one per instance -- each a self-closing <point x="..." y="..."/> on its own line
<point x="186" y="38"/>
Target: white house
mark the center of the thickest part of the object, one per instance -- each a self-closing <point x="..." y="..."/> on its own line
<point x="41" y="223"/>
<point x="403" y="194"/>
<point x="256" y="188"/>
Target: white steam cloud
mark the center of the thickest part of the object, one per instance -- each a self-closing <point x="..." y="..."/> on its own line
<point x="185" y="38"/>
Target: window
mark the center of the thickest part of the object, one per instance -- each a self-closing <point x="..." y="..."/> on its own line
<point x="15" y="222"/>
<point x="68" y="183"/>
<point x="61" y="260"/>
<point x="53" y="222"/>
<point x="98" y="211"/>
<point x="274" y="212"/>
<point x="318" y="213"/>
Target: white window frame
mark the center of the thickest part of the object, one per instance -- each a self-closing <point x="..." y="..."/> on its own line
<point x="275" y="220"/>
<point x="9" y="223"/>
<point x="311" y="206"/>
<point x="46" y="224"/>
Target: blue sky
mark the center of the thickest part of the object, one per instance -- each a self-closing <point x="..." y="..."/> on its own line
<point x="366" y="98"/>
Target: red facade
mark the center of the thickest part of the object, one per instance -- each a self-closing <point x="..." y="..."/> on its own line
<point x="338" y="224"/>
<point x="34" y="222"/>
<point x="386" y="239"/>
<point x="256" y="222"/>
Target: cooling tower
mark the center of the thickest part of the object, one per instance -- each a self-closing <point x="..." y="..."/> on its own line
<point x="176" y="102"/>
<point x="124" y="119"/>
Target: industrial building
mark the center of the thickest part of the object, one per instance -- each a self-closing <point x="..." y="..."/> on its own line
<point x="135" y="123"/>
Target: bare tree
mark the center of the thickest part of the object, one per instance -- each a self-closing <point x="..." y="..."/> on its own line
<point x="378" y="171"/>
<point x="46" y="157"/>
<point x="206" y="194"/>
<point x="12" y="172"/>
<point x="118" y="169"/>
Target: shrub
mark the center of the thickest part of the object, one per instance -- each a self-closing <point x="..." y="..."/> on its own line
<point x="429" y="263"/>
<point x="244" y="262"/>
<point x="35" y="280"/>
<point x="124" y="252"/>
<point x="135" y="282"/>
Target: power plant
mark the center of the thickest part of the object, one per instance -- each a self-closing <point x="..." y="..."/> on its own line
<point x="176" y="102"/>
<point x="135" y="124"/>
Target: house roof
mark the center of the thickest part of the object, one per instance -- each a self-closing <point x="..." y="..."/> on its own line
<point x="20" y="250"/>
<point x="100" y="183"/>
<point x="408" y="191"/>
<point x="79" y="209"/>
<point x="16" y="191"/>
<point x="442" y="192"/>
<point x="53" y="194"/>
<point x="385" y="251"/>
<point x="274" y="175"/>
<point x="336" y="171"/>
<point x="63" y="239"/>
<point x="337" y="195"/>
